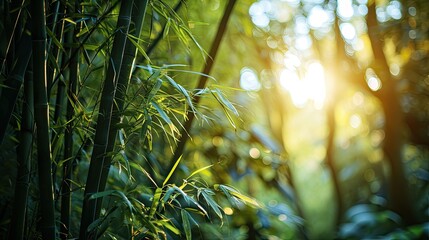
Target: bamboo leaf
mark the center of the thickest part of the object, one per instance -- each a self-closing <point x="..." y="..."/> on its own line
<point x="139" y="47"/>
<point x="116" y="193"/>
<point x="186" y="224"/>
<point x="166" y="223"/>
<point x="207" y="195"/>
<point x="199" y="170"/>
<point x="165" y="118"/>
<point x="55" y="40"/>
<point x="224" y="101"/>
<point x="190" y="199"/>
<point x="172" y="171"/>
<point x="147" y="122"/>
<point x="154" y="89"/>
<point x="182" y="90"/>
<point x="231" y="192"/>
<point x="155" y="202"/>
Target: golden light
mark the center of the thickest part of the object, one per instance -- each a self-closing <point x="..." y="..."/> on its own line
<point x="228" y="211"/>
<point x="312" y="87"/>
<point x="254" y="153"/>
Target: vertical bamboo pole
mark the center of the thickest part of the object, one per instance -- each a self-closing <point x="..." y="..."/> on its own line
<point x="93" y="182"/>
<point x="41" y="110"/>
<point x="73" y="73"/>
<point x="24" y="151"/>
<point x="130" y="53"/>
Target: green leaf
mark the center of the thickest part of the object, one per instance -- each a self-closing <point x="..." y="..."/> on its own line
<point x="117" y="193"/>
<point x="190" y="199"/>
<point x="139" y="47"/>
<point x="172" y="170"/>
<point x="226" y="106"/>
<point x="155" y="202"/>
<point x="147" y="122"/>
<point x="229" y="192"/>
<point x="55" y="40"/>
<point x="186" y="224"/>
<point x="182" y="90"/>
<point x="165" y="118"/>
<point x="199" y="170"/>
<point x="224" y="101"/>
<point x="207" y="195"/>
<point x="166" y="223"/>
<point x="154" y="89"/>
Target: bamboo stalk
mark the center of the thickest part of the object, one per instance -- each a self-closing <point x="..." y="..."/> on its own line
<point x="24" y="151"/>
<point x="202" y="83"/>
<point x="68" y="138"/>
<point x="41" y="110"/>
<point x="130" y="53"/>
<point x="13" y="83"/>
<point x="90" y="209"/>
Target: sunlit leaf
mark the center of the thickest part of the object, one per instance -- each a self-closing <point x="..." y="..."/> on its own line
<point x="155" y="202"/>
<point x="172" y="171"/>
<point x="165" y="118"/>
<point x="231" y="192"/>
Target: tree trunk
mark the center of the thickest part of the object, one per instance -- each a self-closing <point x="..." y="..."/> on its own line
<point x="399" y="197"/>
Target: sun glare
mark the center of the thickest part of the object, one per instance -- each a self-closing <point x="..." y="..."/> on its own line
<point x="309" y="88"/>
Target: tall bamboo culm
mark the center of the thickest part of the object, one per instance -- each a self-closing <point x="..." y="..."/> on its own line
<point x="73" y="73"/>
<point x="9" y="94"/>
<point x="130" y="53"/>
<point x="17" y="225"/>
<point x="89" y="209"/>
<point x="41" y="110"/>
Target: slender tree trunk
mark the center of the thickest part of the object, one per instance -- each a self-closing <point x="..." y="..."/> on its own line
<point x="181" y="142"/>
<point x="330" y="159"/>
<point x="13" y="83"/>
<point x="41" y="110"/>
<point x="399" y="196"/>
<point x="24" y="152"/>
<point x="93" y="183"/>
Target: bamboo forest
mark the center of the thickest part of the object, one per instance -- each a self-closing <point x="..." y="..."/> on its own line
<point x="214" y="119"/>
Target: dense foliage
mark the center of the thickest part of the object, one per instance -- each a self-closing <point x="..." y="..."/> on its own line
<point x="210" y="119"/>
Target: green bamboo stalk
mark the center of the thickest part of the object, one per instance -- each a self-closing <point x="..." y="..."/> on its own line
<point x="202" y="83"/>
<point x="13" y="83"/>
<point x="129" y="58"/>
<point x="93" y="183"/>
<point x="60" y="58"/>
<point x="41" y="110"/>
<point x="68" y="138"/>
<point x="24" y="150"/>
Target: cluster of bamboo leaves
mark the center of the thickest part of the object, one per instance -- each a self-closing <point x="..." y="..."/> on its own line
<point x="95" y="121"/>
